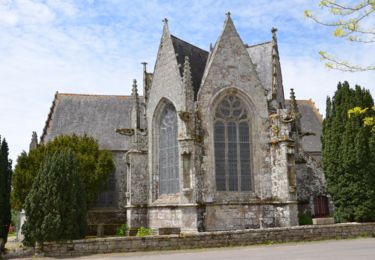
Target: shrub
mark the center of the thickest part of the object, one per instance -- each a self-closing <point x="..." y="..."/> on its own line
<point x="122" y="230"/>
<point x="56" y="207"/>
<point x="305" y="219"/>
<point x="142" y="232"/>
<point x="94" y="166"/>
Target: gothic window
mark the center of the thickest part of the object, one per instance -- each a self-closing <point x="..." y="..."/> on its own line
<point x="168" y="151"/>
<point x="232" y="146"/>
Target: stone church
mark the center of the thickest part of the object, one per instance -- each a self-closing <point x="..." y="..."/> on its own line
<point x="211" y="145"/>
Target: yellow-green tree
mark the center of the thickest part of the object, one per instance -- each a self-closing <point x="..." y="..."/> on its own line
<point x="368" y="120"/>
<point x="351" y="22"/>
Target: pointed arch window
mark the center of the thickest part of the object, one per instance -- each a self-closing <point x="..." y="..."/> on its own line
<point x="232" y="145"/>
<point x="168" y="151"/>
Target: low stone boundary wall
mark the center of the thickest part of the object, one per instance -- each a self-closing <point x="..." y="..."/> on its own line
<point x="208" y="239"/>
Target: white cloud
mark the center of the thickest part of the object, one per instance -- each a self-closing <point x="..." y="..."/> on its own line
<point x="7" y="17"/>
<point x="311" y="79"/>
<point x="33" y="12"/>
<point x="97" y="46"/>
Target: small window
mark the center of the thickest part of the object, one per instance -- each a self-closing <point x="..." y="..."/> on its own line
<point x="232" y="146"/>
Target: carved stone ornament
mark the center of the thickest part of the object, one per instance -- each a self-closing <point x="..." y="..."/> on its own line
<point x="125" y="131"/>
<point x="185" y="116"/>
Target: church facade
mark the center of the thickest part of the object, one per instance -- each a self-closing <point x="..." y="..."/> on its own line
<point x="211" y="145"/>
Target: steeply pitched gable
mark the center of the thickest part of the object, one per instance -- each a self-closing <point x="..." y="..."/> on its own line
<point x="230" y="65"/>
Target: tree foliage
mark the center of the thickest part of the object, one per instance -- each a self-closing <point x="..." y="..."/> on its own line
<point x="94" y="166"/>
<point x="5" y="187"/>
<point x="55" y="206"/>
<point x="351" y="22"/>
<point x="349" y="155"/>
<point x="368" y="120"/>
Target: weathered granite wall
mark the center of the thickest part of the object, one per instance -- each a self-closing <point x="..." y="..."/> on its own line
<point x="311" y="183"/>
<point x="207" y="239"/>
<point x="137" y="188"/>
<point x="182" y="216"/>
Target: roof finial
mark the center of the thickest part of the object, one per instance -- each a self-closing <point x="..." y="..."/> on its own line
<point x="135" y="88"/>
<point x="188" y="85"/>
<point x="135" y="116"/>
<point x="144" y="66"/>
<point x="187" y="71"/>
<point x="274" y="30"/>
<point x="227" y="14"/>
<point x="292" y="94"/>
<point x="293" y="101"/>
<point x="165" y="21"/>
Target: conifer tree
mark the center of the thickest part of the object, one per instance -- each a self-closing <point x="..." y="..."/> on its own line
<point x="55" y="207"/>
<point x="94" y="166"/>
<point x="5" y="187"/>
<point x="348" y="155"/>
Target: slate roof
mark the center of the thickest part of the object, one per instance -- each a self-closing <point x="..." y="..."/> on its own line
<point x="311" y="121"/>
<point x="100" y="115"/>
<point x="95" y="115"/>
<point x="197" y="57"/>
<point x="261" y="56"/>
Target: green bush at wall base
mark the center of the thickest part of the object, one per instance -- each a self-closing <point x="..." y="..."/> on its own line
<point x="122" y="230"/>
<point x="305" y="219"/>
<point x="142" y="231"/>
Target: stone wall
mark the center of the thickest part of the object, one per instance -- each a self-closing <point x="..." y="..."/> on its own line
<point x="208" y="239"/>
<point x="311" y="183"/>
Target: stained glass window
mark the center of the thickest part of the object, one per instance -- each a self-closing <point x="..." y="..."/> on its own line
<point x="232" y="146"/>
<point x="168" y="151"/>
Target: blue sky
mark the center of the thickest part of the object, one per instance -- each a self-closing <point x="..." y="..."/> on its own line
<point x="96" y="47"/>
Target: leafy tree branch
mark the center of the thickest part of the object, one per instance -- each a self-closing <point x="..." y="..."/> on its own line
<point x="352" y="22"/>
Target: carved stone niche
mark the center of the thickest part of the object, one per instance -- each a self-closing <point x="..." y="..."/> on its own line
<point x="186" y="171"/>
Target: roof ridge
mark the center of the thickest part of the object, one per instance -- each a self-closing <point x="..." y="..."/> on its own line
<point x="173" y="36"/>
<point x="93" y="95"/>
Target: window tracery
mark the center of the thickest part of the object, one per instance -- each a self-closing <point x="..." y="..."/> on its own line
<point x="168" y="151"/>
<point x="232" y="145"/>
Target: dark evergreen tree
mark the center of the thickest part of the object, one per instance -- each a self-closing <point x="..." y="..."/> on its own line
<point x="5" y="188"/>
<point x="94" y="166"/>
<point x="348" y="155"/>
<point x="56" y="206"/>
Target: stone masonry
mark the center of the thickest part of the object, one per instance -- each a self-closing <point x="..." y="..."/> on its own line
<point x="211" y="145"/>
